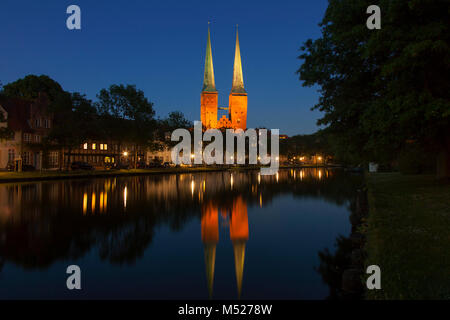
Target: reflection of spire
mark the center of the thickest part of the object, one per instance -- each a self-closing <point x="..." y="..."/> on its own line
<point x="210" y="237"/>
<point x="239" y="258"/>
<point x="210" y="262"/>
<point x="239" y="237"/>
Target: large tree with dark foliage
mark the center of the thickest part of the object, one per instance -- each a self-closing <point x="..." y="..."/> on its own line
<point x="128" y="116"/>
<point x="75" y="119"/>
<point x="383" y="90"/>
<point x="30" y="87"/>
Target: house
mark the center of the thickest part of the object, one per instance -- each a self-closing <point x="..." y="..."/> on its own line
<point x="29" y="123"/>
<point x="104" y="153"/>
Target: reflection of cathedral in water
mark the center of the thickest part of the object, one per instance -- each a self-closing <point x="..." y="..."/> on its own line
<point x="238" y="222"/>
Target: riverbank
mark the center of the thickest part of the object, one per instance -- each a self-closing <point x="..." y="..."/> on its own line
<point x="408" y="236"/>
<point x="8" y="177"/>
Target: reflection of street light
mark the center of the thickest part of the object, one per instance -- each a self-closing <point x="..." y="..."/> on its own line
<point x="192" y="156"/>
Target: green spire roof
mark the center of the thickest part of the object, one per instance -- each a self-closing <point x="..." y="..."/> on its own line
<point x="208" y="80"/>
<point x="238" y="79"/>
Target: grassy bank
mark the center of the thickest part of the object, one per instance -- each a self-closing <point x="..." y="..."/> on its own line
<point x="408" y="236"/>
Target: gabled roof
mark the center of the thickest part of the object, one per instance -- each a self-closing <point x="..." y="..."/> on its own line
<point x="20" y="112"/>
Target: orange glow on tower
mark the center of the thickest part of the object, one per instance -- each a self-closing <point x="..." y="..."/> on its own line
<point x="237" y="109"/>
<point x="209" y="97"/>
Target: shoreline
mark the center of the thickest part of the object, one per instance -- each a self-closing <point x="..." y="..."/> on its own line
<point x="32" y="176"/>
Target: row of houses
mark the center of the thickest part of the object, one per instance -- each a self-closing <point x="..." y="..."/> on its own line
<point x="28" y="123"/>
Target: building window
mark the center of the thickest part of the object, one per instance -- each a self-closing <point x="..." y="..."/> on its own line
<point x="53" y="158"/>
<point x="26" y="157"/>
<point x="85" y="146"/>
<point x="37" y="138"/>
<point x="37" y="123"/>
<point x="101" y="146"/>
<point x="94" y="146"/>
<point x="11" y="155"/>
<point x="47" y="123"/>
<point x="105" y="147"/>
<point x="27" y="137"/>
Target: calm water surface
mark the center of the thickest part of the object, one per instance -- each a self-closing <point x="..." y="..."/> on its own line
<point x="178" y="236"/>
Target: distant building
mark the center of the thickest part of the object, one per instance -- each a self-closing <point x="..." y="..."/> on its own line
<point x="104" y="153"/>
<point x="237" y="110"/>
<point x="29" y="123"/>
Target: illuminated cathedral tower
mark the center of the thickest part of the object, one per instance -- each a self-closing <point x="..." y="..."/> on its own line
<point x="238" y="97"/>
<point x="237" y="110"/>
<point x="208" y="100"/>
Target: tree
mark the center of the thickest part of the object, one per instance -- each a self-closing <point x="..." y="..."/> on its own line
<point x="175" y="120"/>
<point x="5" y="132"/>
<point x="30" y="87"/>
<point x="75" y="119"/>
<point x="128" y="116"/>
<point x="383" y="89"/>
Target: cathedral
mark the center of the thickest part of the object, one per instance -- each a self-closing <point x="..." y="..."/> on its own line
<point x="237" y="109"/>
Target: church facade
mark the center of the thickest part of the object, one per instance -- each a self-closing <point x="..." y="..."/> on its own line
<point x="237" y="109"/>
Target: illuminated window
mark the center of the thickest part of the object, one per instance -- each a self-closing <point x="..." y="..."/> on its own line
<point x="105" y="147"/>
<point x="85" y="146"/>
<point x="101" y="146"/>
<point x="94" y="146"/>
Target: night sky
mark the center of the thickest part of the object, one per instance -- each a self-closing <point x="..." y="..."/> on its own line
<point x="160" y="47"/>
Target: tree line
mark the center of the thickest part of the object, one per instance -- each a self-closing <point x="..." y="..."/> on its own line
<point x="385" y="94"/>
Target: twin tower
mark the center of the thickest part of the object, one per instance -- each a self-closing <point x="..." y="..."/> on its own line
<point x="237" y="110"/>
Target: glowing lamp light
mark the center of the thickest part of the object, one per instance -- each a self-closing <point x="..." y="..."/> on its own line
<point x="125" y="154"/>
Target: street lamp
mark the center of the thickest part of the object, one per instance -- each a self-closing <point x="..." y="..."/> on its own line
<point x="125" y="153"/>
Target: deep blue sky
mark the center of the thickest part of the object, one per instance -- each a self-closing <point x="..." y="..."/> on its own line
<point x="160" y="46"/>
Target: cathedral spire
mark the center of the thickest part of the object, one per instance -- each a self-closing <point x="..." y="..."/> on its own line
<point x="238" y="79"/>
<point x="208" y="80"/>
